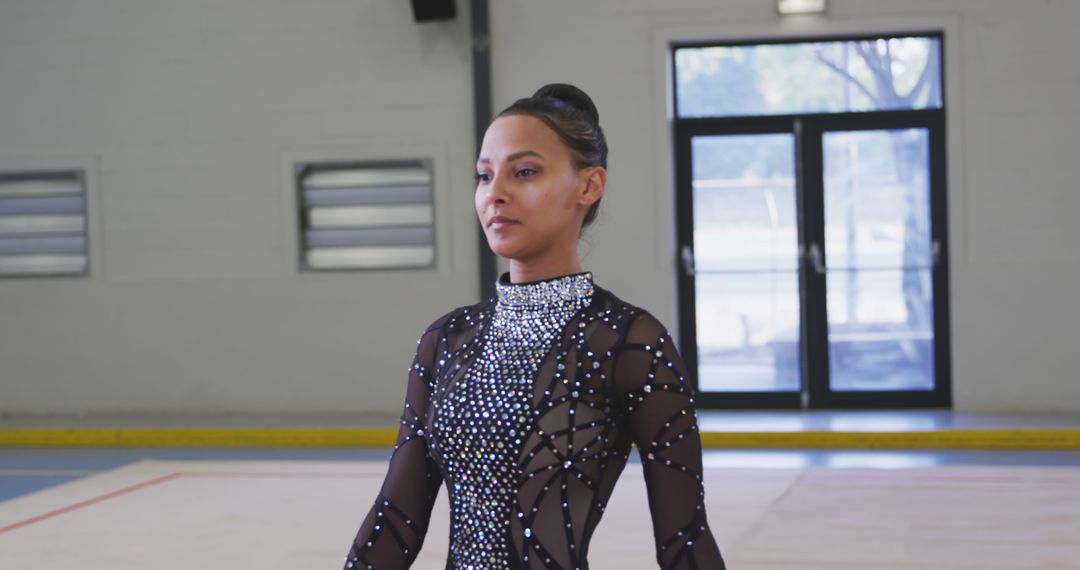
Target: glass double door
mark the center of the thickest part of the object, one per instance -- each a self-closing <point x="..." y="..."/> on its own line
<point x="812" y="260"/>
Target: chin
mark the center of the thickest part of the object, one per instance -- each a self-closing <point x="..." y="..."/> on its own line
<point x="509" y="249"/>
<point x="504" y="251"/>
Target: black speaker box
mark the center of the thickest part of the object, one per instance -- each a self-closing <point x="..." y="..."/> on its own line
<point x="431" y="10"/>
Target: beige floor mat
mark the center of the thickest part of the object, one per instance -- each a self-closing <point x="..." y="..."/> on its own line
<point x="940" y="518"/>
<point x="290" y="514"/>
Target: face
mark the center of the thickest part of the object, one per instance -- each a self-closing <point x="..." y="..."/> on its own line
<point x="530" y="196"/>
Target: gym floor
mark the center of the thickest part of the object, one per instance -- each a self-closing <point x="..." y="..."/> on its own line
<point x="870" y="505"/>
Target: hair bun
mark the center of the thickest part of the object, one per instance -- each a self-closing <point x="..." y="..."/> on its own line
<point x="572" y="96"/>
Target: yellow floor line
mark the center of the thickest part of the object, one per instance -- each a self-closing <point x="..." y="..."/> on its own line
<point x="198" y="437"/>
<point x="1019" y="438"/>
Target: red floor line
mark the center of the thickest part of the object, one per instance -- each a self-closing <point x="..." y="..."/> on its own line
<point x="177" y="475"/>
<point x="88" y="502"/>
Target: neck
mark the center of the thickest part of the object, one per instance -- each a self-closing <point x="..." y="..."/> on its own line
<point x="521" y="271"/>
<point x="552" y="291"/>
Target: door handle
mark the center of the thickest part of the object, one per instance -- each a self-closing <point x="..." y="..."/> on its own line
<point x="687" y="256"/>
<point x="814" y="255"/>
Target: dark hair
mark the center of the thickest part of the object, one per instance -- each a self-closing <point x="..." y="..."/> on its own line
<point x="572" y="115"/>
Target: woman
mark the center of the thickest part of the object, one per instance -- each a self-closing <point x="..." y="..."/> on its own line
<point x="527" y="404"/>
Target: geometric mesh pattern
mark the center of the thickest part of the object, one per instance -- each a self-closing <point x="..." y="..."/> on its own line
<point x="604" y="377"/>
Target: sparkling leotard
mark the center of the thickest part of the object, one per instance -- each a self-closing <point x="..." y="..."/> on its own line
<point x="526" y="406"/>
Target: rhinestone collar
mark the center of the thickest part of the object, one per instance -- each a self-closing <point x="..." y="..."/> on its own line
<point x="544" y="291"/>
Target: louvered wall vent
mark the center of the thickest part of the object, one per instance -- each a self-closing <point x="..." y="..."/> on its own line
<point x="43" y="229"/>
<point x="366" y="216"/>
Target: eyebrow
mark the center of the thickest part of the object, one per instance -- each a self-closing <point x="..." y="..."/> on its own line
<point x="514" y="156"/>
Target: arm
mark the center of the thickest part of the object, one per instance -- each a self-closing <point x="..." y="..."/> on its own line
<point x="393" y="531"/>
<point x="651" y="380"/>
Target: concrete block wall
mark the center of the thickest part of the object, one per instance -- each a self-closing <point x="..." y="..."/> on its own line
<point x="189" y="116"/>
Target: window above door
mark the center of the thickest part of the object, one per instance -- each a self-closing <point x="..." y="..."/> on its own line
<point x="794" y="77"/>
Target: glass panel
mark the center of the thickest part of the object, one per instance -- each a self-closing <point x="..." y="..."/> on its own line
<point x="809" y="77"/>
<point x="746" y="263"/>
<point x="878" y="260"/>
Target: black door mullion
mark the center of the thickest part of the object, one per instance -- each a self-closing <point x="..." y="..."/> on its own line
<point x="815" y="341"/>
<point x="939" y="230"/>
<point x="684" y="245"/>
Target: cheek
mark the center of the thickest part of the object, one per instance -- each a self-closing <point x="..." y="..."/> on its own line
<point x="543" y="207"/>
<point x="478" y="201"/>
<point x="560" y="199"/>
<point x="551" y="211"/>
<point x="567" y="195"/>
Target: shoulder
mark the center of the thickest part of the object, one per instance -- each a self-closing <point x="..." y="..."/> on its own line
<point x="432" y="344"/>
<point x="456" y="319"/>
<point x="637" y="323"/>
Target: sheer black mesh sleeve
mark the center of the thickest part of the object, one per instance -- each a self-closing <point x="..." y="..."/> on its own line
<point x="393" y="531"/>
<point x="651" y="380"/>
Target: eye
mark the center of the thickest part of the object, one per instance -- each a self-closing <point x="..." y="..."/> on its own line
<point x="481" y="177"/>
<point x="526" y="172"/>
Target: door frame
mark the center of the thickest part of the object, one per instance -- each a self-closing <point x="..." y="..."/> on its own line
<point x="808" y="131"/>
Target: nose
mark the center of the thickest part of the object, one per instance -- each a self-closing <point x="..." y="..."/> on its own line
<point x="497" y="190"/>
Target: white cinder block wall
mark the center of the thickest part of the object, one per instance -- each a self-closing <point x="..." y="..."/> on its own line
<point x="189" y="115"/>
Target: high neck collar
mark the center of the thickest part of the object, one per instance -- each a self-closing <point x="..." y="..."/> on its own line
<point x="544" y="291"/>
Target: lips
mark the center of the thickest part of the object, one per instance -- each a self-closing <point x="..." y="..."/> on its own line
<point x="500" y="220"/>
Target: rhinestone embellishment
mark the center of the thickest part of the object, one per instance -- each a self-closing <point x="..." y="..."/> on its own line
<point x="479" y="419"/>
<point x="544" y="291"/>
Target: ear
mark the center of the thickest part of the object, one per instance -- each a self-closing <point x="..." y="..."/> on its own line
<point x="595" y="181"/>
